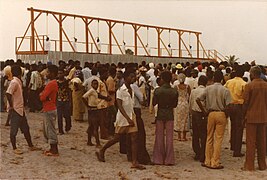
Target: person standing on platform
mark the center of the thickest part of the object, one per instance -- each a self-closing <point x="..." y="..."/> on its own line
<point x="217" y="99"/>
<point x="166" y="98"/>
<point x="255" y="111"/>
<point x="48" y="97"/>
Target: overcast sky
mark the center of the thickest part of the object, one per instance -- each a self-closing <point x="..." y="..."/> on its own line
<point x="231" y="27"/>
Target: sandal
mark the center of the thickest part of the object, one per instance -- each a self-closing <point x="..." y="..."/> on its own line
<point x="49" y="153"/>
<point x="99" y="157"/>
<point x="138" y="167"/>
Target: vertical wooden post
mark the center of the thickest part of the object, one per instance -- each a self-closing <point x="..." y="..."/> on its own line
<point x="159" y="53"/>
<point x="32" y="30"/>
<point x="180" y="44"/>
<point x="110" y="37"/>
<point x="135" y="40"/>
<point x="60" y="33"/>
<point x="197" y="45"/>
<point x="86" y="36"/>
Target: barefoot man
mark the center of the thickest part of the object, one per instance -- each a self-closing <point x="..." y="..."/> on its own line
<point x="125" y="120"/>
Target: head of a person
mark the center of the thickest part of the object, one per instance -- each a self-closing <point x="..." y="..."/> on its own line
<point x="119" y="74"/>
<point x="239" y="71"/>
<point x="159" y="81"/>
<point x="255" y="72"/>
<point x="103" y="73"/>
<point x="77" y="64"/>
<point x="61" y="73"/>
<point x="94" y="84"/>
<point x="94" y="71"/>
<point x="86" y="64"/>
<point x="129" y="77"/>
<point x="166" y="77"/>
<point x="47" y="38"/>
<point x="181" y="78"/>
<point x="52" y="72"/>
<point x="112" y="71"/>
<point x="16" y="71"/>
<point x="218" y="76"/>
<point x="202" y="80"/>
<point x="210" y="75"/>
<point x="194" y="73"/>
<point x="228" y="70"/>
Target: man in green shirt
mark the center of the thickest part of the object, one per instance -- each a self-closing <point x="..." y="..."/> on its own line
<point x="166" y="98"/>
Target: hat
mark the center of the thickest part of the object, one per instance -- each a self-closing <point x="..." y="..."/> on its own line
<point x="179" y="66"/>
<point x="8" y="73"/>
<point x="151" y="65"/>
<point x="142" y="69"/>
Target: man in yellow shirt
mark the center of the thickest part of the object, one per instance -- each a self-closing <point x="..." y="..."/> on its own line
<point x="236" y="87"/>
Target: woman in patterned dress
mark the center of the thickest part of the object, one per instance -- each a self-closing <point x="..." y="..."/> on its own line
<point x="181" y="113"/>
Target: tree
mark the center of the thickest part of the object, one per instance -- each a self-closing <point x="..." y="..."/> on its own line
<point x="232" y="59"/>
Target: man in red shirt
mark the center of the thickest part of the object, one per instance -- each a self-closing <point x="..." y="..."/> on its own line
<point x="48" y="98"/>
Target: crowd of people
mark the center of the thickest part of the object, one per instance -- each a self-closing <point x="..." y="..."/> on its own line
<point x="195" y="98"/>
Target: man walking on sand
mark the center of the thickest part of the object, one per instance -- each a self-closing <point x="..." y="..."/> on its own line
<point x="16" y="110"/>
<point x="48" y="97"/>
<point x="125" y="120"/>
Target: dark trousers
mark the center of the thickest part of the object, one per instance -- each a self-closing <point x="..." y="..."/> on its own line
<point x="112" y="111"/>
<point x="103" y="123"/>
<point x="64" y="110"/>
<point x="255" y="139"/>
<point x="125" y="141"/>
<point x="34" y="101"/>
<point x="25" y="96"/>
<point x="236" y="128"/>
<point x="19" y="122"/>
<point x="199" y="127"/>
<point x="93" y="125"/>
<point x="142" y="155"/>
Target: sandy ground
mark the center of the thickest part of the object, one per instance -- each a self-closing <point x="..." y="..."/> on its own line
<point x="78" y="161"/>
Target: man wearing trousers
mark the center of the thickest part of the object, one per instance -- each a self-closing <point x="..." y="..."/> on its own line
<point x="217" y="100"/>
<point x="255" y="110"/>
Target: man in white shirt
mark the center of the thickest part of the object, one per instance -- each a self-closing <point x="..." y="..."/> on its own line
<point x="152" y="81"/>
<point x="125" y="120"/>
<point x="86" y="71"/>
<point x="47" y="44"/>
<point x="192" y="81"/>
<point x="87" y="82"/>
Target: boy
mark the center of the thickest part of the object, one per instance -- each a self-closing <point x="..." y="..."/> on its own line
<point x="91" y="100"/>
<point x="48" y="98"/>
